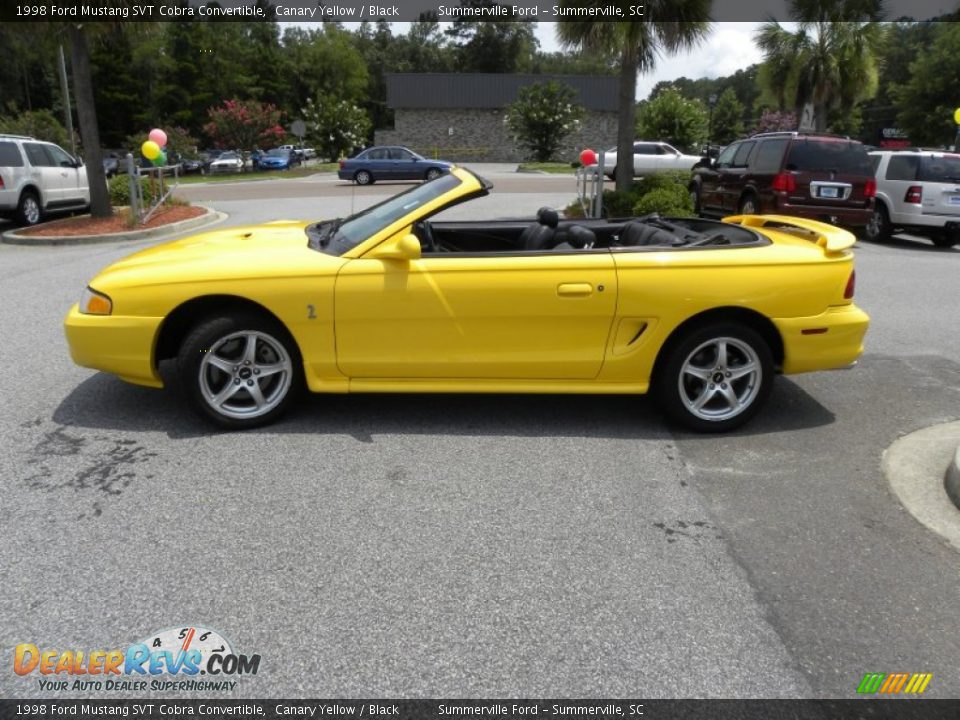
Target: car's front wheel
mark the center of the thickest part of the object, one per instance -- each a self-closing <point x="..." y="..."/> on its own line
<point x="363" y="177"/>
<point x="240" y="371"/>
<point x="715" y="378"/>
<point x="695" y="197"/>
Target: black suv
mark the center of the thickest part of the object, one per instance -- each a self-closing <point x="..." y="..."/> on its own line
<point x="822" y="177"/>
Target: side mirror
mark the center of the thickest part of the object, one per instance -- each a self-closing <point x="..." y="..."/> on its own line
<point x="405" y="248"/>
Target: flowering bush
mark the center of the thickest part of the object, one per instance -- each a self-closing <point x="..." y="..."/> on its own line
<point x="772" y="121"/>
<point x="243" y="124"/>
<point x="542" y="117"/>
<point x="335" y="127"/>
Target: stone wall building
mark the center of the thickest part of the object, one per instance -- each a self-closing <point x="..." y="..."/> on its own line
<point x="460" y="116"/>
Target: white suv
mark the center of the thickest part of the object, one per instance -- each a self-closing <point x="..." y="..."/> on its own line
<point x="37" y="177"/>
<point x="918" y="191"/>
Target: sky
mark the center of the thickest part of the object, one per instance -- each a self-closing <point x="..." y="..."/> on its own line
<point x="728" y="48"/>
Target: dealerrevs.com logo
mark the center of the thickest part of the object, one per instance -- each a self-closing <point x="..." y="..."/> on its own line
<point x="171" y="659"/>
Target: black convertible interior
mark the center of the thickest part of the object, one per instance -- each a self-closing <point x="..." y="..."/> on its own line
<point x="549" y="233"/>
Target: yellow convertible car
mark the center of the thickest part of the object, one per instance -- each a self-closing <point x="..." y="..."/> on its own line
<point x="702" y="313"/>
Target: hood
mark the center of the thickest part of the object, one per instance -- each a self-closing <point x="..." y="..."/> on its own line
<point x="277" y="249"/>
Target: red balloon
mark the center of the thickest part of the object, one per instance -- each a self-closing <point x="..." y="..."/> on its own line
<point x="588" y="157"/>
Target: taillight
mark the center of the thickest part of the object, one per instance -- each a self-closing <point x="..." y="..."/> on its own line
<point x="1" y="182"/>
<point x="342" y="163"/>
<point x="870" y="188"/>
<point x="784" y="182"/>
<point x="914" y="194"/>
<point x="851" y="286"/>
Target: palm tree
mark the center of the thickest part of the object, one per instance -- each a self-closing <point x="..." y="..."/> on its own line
<point x="673" y="25"/>
<point x="829" y="61"/>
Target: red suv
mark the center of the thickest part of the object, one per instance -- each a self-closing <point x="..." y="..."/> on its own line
<point x="822" y="177"/>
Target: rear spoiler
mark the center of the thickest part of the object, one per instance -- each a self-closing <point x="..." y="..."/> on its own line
<point x="829" y="237"/>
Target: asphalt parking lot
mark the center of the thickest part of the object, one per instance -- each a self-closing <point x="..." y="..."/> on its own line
<point x="461" y="546"/>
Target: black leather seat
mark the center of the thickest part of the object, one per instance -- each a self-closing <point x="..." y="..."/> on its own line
<point x="635" y="234"/>
<point x="574" y="237"/>
<point x="539" y="235"/>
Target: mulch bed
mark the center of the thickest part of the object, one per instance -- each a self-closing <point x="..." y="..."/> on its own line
<point x="116" y="224"/>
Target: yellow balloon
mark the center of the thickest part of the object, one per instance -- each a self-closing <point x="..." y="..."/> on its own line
<point x="150" y="150"/>
<point x="956" y="116"/>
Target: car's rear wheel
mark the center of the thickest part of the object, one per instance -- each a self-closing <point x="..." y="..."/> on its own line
<point x="715" y="378"/>
<point x="433" y="174"/>
<point x="878" y="228"/>
<point x="748" y="205"/>
<point x="240" y="371"/>
<point x="363" y="177"/>
<point x="28" y="209"/>
<point x="947" y="240"/>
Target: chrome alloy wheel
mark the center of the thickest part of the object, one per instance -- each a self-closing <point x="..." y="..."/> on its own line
<point x="31" y="210"/>
<point x="720" y="379"/>
<point x="245" y="374"/>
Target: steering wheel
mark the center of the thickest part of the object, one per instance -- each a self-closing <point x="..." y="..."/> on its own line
<point x="425" y="233"/>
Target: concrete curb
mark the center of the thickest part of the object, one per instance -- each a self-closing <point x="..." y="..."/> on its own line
<point x="914" y="467"/>
<point x="952" y="480"/>
<point x="12" y="237"/>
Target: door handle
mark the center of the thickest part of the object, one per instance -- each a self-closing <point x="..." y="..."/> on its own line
<point x="575" y="289"/>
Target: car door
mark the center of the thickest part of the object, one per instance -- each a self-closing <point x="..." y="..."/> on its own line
<point x="733" y="178"/>
<point x="404" y="167"/>
<point x="515" y="315"/>
<point x="711" y="179"/>
<point x="51" y="182"/>
<point x="73" y="176"/>
<point x="645" y="158"/>
<point x="378" y="161"/>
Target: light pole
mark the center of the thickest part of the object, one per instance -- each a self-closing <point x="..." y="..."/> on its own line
<point x="711" y="101"/>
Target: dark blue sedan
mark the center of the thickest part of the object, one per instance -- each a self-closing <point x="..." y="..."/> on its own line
<point x="278" y="159"/>
<point x="390" y="163"/>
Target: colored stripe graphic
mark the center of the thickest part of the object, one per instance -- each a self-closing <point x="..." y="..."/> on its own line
<point x="871" y="683"/>
<point x="894" y="683"/>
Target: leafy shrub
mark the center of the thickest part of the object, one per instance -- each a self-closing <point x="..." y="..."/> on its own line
<point x="119" y="189"/>
<point x="671" y="200"/>
<point x="668" y="179"/>
<point x="619" y="203"/>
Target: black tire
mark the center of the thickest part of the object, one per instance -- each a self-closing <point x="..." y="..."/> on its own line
<point x="613" y="174"/>
<point x="29" y="210"/>
<point x="677" y="389"/>
<point x="363" y="177"/>
<point x="695" y="197"/>
<point x="878" y="229"/>
<point x="221" y="340"/>
<point x="433" y="174"/>
<point x="947" y="240"/>
<point x="749" y="205"/>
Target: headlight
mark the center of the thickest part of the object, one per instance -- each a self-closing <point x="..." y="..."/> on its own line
<point x="94" y="303"/>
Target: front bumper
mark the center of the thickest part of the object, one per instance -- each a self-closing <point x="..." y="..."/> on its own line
<point x="114" y="344"/>
<point x="831" y="340"/>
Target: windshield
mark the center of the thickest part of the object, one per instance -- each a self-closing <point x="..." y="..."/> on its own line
<point x="277" y="152"/>
<point x="228" y="156"/>
<point x="352" y="231"/>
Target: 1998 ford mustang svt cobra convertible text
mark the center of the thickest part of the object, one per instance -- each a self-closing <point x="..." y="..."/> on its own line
<point x="700" y="312"/>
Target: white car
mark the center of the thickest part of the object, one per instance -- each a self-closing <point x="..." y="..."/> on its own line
<point x="918" y="191"/>
<point x="650" y="157"/>
<point x="37" y="177"/>
<point x="229" y="161"/>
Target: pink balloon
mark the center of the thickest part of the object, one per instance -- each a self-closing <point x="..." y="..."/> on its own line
<point x="588" y="157"/>
<point x="159" y="137"/>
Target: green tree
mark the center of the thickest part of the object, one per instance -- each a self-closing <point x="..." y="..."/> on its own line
<point x="492" y="47"/>
<point x="674" y="119"/>
<point x="927" y="100"/>
<point x="829" y="60"/>
<point x="243" y="124"/>
<point x="41" y="124"/>
<point x="335" y="126"/>
<point x="543" y="115"/>
<point x="727" y="118"/>
<point x="636" y="45"/>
